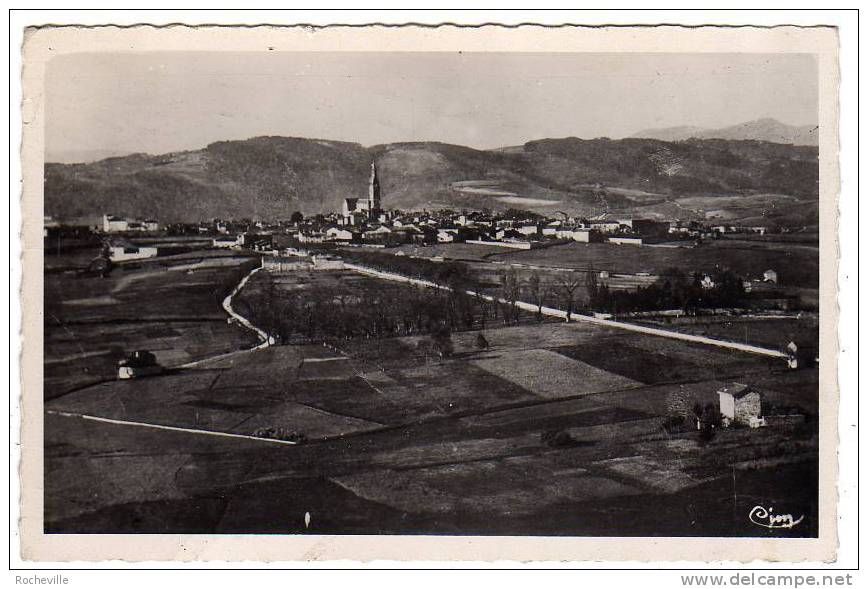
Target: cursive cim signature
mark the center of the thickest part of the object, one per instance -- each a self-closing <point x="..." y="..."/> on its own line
<point x="765" y="518"/>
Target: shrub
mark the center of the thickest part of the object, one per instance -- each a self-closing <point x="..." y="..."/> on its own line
<point x="557" y="439"/>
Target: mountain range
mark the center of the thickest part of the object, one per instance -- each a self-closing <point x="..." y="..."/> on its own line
<point x="759" y="130"/>
<point x="270" y="177"/>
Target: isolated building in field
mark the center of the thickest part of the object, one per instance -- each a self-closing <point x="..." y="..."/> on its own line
<point x="139" y="363"/>
<point x="770" y="276"/>
<point x="740" y="404"/>
<point x="124" y="250"/>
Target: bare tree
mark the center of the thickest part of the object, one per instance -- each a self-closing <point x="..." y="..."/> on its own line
<point x="510" y="286"/>
<point x="539" y="292"/>
<point x="568" y="285"/>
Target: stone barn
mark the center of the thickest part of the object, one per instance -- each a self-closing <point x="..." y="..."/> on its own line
<point x="740" y="404"/>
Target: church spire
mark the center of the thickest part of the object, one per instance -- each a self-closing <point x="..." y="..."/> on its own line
<point x="374" y="191"/>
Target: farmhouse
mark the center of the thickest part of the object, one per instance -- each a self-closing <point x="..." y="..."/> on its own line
<point x="123" y="250"/>
<point x="139" y="363"/>
<point x="740" y="404"/>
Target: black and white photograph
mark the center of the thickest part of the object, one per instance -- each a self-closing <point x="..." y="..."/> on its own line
<point x="536" y="293"/>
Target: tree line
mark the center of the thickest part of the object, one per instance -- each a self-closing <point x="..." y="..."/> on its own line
<point x="368" y="309"/>
<point x="677" y="291"/>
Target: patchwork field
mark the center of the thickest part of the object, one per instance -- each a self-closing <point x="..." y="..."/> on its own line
<point x="170" y="306"/>
<point x="554" y="428"/>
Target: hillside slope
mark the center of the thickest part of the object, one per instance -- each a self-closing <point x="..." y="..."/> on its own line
<point x="767" y="129"/>
<point x="270" y="177"/>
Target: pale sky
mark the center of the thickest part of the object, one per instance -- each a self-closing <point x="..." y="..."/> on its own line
<point x="160" y="102"/>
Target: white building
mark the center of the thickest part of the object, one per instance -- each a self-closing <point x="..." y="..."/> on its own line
<point x="338" y="234"/>
<point x="225" y="241"/>
<point x="113" y="224"/>
<point x="740" y="404"/>
<point x="129" y="251"/>
<point x="576" y="234"/>
<point x="445" y="236"/>
<point x="605" y="226"/>
<point x="625" y="240"/>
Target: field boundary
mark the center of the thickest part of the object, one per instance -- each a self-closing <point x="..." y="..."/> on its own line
<point x="188" y="430"/>
<point x="552" y="312"/>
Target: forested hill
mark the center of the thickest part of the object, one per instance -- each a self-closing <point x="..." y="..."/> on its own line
<point x="270" y="177"/>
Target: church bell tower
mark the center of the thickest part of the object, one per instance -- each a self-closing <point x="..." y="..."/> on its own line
<point x="374" y="193"/>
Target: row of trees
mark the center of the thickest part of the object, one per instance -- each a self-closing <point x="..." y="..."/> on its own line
<point x="677" y="291"/>
<point x="368" y="309"/>
<point x="570" y="291"/>
<point x="452" y="274"/>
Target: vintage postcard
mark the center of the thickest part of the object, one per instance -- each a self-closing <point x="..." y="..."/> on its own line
<point x="444" y="293"/>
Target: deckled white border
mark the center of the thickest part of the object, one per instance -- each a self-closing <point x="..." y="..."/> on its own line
<point x="333" y="547"/>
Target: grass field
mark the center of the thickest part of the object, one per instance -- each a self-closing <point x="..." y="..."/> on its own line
<point x="172" y="309"/>
<point x="796" y="266"/>
<point x="772" y="332"/>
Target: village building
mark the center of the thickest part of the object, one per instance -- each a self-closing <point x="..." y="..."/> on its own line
<point x="339" y="234"/>
<point x="286" y="263"/>
<point x="649" y="227"/>
<point x="580" y="234"/>
<point x="740" y="404"/>
<point x="444" y="236"/>
<point x="255" y="241"/>
<point x="224" y="241"/>
<point x="605" y="226"/>
<point x="113" y="224"/>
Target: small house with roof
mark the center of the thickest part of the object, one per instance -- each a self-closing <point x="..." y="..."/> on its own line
<point x="740" y="404"/>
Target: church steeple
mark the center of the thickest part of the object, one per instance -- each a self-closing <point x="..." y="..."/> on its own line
<point x="374" y="191"/>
